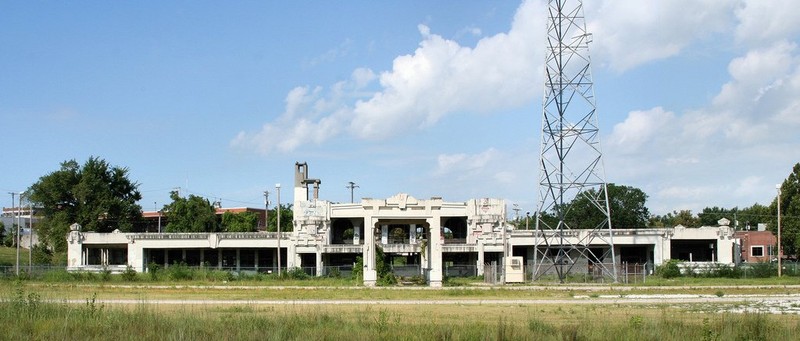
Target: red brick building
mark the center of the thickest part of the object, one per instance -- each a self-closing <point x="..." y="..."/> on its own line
<point x="758" y="246"/>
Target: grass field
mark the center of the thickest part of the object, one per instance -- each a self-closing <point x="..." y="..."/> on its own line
<point x="26" y="314"/>
<point x="8" y="256"/>
<point x="36" y="308"/>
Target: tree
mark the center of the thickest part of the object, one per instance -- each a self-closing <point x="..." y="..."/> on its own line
<point x="240" y="222"/>
<point x="790" y="213"/>
<point x="97" y="196"/>
<point x="626" y="203"/>
<point x="711" y="215"/>
<point x="286" y="219"/>
<point x="675" y="218"/>
<point x="754" y="215"/>
<point x="192" y="214"/>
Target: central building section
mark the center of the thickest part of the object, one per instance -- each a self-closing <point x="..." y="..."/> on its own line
<point x="417" y="237"/>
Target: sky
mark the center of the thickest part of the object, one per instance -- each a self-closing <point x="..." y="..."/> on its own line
<point x="698" y="100"/>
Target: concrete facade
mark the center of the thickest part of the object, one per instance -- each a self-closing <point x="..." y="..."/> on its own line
<point x="429" y="237"/>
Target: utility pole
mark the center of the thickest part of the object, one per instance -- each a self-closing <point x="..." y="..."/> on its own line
<point x="779" y="229"/>
<point x="30" y="233"/>
<point x="266" y="210"/>
<point x="13" y="215"/>
<point x="351" y="185"/>
<point x="278" y="193"/>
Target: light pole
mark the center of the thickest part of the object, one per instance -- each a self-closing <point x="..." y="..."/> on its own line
<point x="527" y="219"/>
<point x="278" y="193"/>
<point x="778" y="187"/>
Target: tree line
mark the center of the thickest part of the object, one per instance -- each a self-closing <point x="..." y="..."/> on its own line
<point x="102" y="198"/>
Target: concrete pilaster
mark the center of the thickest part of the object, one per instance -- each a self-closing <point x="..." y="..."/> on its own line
<point x="319" y="262"/>
<point x="435" y="273"/>
<point x="479" y="263"/>
<point x="370" y="274"/>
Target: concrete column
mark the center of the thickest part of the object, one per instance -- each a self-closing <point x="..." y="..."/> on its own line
<point x="435" y="257"/>
<point x="663" y="252"/>
<point x="166" y="258"/>
<point x="384" y="234"/>
<point x="219" y="259"/>
<point x="412" y="234"/>
<point x="480" y="261"/>
<point x="292" y="257"/>
<point x="370" y="274"/>
<point x="255" y="259"/>
<point x="202" y="257"/>
<point x="319" y="262"/>
<point x="238" y="259"/>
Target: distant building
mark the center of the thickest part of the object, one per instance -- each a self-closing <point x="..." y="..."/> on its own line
<point x="757" y="246"/>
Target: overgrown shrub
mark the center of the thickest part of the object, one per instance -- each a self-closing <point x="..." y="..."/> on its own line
<point x="334" y="273"/>
<point x="154" y="270"/>
<point x="129" y="275"/>
<point x="387" y="279"/>
<point x="295" y="273"/>
<point x="179" y="272"/>
<point x="105" y="274"/>
<point x="764" y="269"/>
<point x="724" y="270"/>
<point x="670" y="269"/>
<point x="41" y="255"/>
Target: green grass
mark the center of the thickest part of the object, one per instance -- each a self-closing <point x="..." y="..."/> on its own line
<point x="26" y="315"/>
<point x="8" y="256"/>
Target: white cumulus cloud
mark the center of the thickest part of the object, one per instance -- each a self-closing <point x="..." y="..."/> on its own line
<point x="441" y="77"/>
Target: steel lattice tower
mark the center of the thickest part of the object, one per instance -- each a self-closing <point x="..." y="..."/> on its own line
<point x="571" y="159"/>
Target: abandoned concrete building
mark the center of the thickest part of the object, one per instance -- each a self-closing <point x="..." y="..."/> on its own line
<point x="431" y="238"/>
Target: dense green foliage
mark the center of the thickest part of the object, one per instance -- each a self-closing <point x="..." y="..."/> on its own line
<point x="96" y="195"/>
<point x="675" y="218"/>
<point x="192" y="214"/>
<point x="240" y="222"/>
<point x="669" y="269"/>
<point x="790" y="213"/>
<point x="627" y="206"/>
<point x="287" y="216"/>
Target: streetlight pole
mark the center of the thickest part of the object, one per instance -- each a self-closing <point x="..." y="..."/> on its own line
<point x="527" y="219"/>
<point x="278" y="193"/>
<point x="778" y="187"/>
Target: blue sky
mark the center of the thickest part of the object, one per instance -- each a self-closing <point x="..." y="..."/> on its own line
<point x="698" y="101"/>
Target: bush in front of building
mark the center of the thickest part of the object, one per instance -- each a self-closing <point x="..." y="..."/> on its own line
<point x="670" y="269"/>
<point x="129" y="275"/>
<point x="179" y="272"/>
<point x="763" y="270"/>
